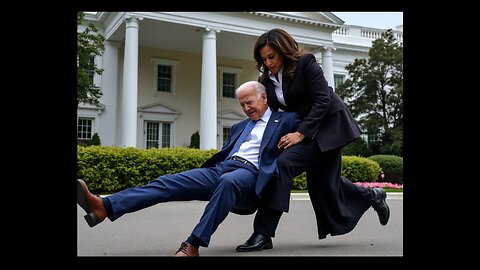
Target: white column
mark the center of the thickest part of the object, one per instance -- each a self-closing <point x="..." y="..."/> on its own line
<point x="208" y="97"/>
<point x="128" y="108"/>
<point x="327" y="65"/>
<point x="109" y="93"/>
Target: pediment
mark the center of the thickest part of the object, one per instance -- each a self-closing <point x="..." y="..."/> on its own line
<point x="88" y="106"/>
<point x="158" y="108"/>
<point x="232" y="115"/>
<point x="319" y="17"/>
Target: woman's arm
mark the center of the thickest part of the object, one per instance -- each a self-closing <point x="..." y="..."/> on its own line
<point x="317" y="87"/>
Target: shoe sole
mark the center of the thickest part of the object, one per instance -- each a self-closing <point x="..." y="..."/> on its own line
<point x="90" y="217"/>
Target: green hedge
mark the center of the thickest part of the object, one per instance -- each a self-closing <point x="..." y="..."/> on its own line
<point x="110" y="168"/>
<point x="392" y="167"/>
<point x="354" y="168"/>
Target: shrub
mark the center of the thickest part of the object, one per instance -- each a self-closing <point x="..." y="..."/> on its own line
<point x="95" y="139"/>
<point x="300" y="182"/>
<point x="195" y="140"/>
<point x="356" y="169"/>
<point x="360" y="169"/>
<point x="111" y="168"/>
<point x="392" y="167"/>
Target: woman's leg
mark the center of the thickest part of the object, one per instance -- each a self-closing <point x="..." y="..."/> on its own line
<point x="338" y="203"/>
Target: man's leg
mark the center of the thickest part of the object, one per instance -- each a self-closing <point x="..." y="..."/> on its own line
<point x="194" y="184"/>
<point x="233" y="187"/>
<point x="276" y="196"/>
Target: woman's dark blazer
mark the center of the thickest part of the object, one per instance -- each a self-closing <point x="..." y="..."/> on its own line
<point x="326" y="118"/>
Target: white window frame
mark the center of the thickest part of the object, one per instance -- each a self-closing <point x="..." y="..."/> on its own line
<point x="226" y="119"/>
<point x="164" y="62"/>
<point x="159" y="117"/>
<point x="338" y="74"/>
<point x="232" y="70"/>
<point x="93" y="112"/>
<point x="92" y="119"/>
<point x="160" y="130"/>
<point x="223" y="123"/>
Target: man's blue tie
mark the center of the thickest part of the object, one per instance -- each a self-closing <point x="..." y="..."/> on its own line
<point x="248" y="128"/>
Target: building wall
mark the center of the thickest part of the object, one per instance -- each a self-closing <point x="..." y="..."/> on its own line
<point x="186" y="96"/>
<point x="348" y="44"/>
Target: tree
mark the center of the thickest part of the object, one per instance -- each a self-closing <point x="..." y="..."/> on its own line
<point x="89" y="44"/>
<point x="373" y="92"/>
<point x="358" y="147"/>
<point x="95" y="139"/>
<point x="195" y="140"/>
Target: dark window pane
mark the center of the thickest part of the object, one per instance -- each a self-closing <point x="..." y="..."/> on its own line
<point x="164" y="78"/>
<point x="228" y="85"/>
<point x="226" y="134"/>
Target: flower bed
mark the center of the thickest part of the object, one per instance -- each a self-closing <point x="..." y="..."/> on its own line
<point x="379" y="184"/>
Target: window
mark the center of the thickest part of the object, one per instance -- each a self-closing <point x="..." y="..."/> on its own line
<point x="226" y="134"/>
<point x="84" y="128"/>
<point x="229" y="81"/>
<point x="337" y="80"/>
<point x="158" y="135"/>
<point x="158" y="125"/>
<point x="91" y="68"/>
<point x="226" y="120"/>
<point x="165" y="135"/>
<point x="164" y="78"/>
<point x="228" y="84"/>
<point x="164" y="75"/>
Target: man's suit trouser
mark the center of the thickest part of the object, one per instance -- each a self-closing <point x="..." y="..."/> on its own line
<point x="228" y="184"/>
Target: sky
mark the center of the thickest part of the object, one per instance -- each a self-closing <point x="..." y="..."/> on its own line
<point x="383" y="20"/>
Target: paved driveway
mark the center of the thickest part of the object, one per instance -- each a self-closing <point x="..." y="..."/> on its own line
<point x="159" y="230"/>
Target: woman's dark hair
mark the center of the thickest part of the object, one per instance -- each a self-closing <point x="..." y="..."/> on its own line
<point x="283" y="44"/>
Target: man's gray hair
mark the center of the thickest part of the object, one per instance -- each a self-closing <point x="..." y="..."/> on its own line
<point x="259" y="88"/>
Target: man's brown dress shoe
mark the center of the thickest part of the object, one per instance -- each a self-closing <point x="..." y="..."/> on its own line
<point x="187" y="250"/>
<point x="92" y="204"/>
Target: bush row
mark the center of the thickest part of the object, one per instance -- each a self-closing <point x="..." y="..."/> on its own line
<point x="392" y="168"/>
<point x="110" y="168"/>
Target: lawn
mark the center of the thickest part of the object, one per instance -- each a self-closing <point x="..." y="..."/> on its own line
<point x="389" y="187"/>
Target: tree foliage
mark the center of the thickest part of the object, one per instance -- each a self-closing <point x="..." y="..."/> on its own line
<point x="373" y="92"/>
<point x="90" y="43"/>
<point x="195" y="140"/>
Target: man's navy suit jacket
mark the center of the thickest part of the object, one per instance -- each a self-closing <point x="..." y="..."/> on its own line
<point x="279" y="124"/>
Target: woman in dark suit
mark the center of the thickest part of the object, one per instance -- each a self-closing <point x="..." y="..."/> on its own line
<point x="294" y="82"/>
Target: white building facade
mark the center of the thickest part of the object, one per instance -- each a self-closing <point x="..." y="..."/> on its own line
<point x="168" y="75"/>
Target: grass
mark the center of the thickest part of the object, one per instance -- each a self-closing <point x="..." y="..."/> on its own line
<point x="394" y="189"/>
<point x="389" y="187"/>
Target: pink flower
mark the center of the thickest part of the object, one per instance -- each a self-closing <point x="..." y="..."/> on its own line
<point x="378" y="184"/>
